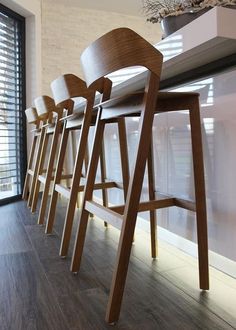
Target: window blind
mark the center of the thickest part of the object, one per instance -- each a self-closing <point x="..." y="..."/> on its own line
<point x="12" y="104"/>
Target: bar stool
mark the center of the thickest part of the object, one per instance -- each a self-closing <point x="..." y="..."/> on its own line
<point x="65" y="90"/>
<point x="46" y="108"/>
<point x="45" y="120"/>
<point x="32" y="118"/>
<point x="65" y="85"/>
<point x="118" y="49"/>
<point x="50" y="115"/>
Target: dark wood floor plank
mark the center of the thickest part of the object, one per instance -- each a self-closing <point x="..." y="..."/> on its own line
<point x="150" y="296"/>
<point x="221" y="299"/>
<point x="22" y="213"/>
<point x="13" y="238"/>
<point x="37" y="290"/>
<point x="26" y="298"/>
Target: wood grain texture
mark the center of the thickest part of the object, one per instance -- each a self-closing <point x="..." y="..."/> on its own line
<point x="152" y="196"/>
<point x="64" y="89"/>
<point x="27" y="300"/>
<point x="37" y="291"/>
<point x="132" y="52"/>
<point x="36" y="166"/>
<point x="32" y="118"/>
<point x="125" y="48"/>
<point x="11" y="227"/>
<point x="29" y="171"/>
<point x="45" y="107"/>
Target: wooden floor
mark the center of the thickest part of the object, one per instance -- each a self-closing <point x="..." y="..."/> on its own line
<point x="37" y="291"/>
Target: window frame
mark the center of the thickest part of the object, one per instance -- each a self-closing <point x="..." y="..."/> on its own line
<point x="23" y="131"/>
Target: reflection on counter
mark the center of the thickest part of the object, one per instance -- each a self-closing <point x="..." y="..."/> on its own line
<point x="203" y="87"/>
<point x="173" y="165"/>
<point x="171" y="46"/>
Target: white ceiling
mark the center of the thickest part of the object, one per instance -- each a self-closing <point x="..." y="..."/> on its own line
<point x="128" y="7"/>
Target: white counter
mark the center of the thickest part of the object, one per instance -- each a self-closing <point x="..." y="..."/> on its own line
<point x="208" y="38"/>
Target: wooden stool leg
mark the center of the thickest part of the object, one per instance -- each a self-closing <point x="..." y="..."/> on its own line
<point x="123" y="155"/>
<point x="29" y="167"/>
<point x="49" y="173"/>
<point x="57" y="180"/>
<point x="86" y="159"/>
<point x="200" y="196"/>
<point x="103" y="178"/>
<point x="151" y="191"/>
<point x="40" y="170"/>
<point x="88" y="193"/>
<point x="36" y="167"/>
<point x="73" y="147"/>
<point x="77" y="174"/>
<point x="66" y="164"/>
<point x="86" y="164"/>
<point x="131" y="207"/>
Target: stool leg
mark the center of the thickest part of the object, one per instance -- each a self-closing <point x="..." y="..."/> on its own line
<point x="151" y="191"/>
<point x="40" y="169"/>
<point x="57" y="179"/>
<point x="66" y="164"/>
<point x="30" y="163"/>
<point x="200" y="197"/>
<point x="86" y="159"/>
<point x="86" y="164"/>
<point x="131" y="207"/>
<point x="103" y="178"/>
<point x="73" y="147"/>
<point x="49" y="173"/>
<point x="88" y="193"/>
<point x="36" y="167"/>
<point x="77" y="174"/>
<point x="123" y="155"/>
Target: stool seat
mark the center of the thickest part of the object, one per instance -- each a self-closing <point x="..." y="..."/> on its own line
<point x="132" y="104"/>
<point x="75" y="120"/>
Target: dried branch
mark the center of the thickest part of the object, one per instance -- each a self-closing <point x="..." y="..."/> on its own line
<point x="156" y="10"/>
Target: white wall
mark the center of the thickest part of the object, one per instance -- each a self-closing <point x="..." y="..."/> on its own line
<point x="67" y="29"/>
<point x="31" y="10"/>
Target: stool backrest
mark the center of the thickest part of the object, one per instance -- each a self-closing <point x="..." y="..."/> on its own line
<point x="69" y="86"/>
<point x="118" y="49"/>
<point x="32" y="116"/>
<point x="45" y="107"/>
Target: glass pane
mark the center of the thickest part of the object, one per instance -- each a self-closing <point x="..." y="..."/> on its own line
<point x="11" y="103"/>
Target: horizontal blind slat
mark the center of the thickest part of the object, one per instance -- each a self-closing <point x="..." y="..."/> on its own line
<point x="11" y="112"/>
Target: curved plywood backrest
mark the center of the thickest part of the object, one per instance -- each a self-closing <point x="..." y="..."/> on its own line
<point x="118" y="49"/>
<point x="69" y="86"/>
<point x="45" y="106"/>
<point x="31" y="115"/>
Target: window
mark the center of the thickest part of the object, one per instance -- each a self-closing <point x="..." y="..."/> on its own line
<point x="12" y="105"/>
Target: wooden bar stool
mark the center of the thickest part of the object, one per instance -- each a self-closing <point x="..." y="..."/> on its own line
<point x="41" y="150"/>
<point x="50" y="114"/>
<point x="65" y="90"/>
<point x="45" y="107"/>
<point x="66" y="85"/>
<point x="32" y="118"/>
<point x="122" y="48"/>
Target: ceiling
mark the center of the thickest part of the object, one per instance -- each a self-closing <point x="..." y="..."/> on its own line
<point x="128" y="7"/>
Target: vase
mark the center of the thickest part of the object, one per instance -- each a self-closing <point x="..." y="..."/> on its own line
<point x="171" y="24"/>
